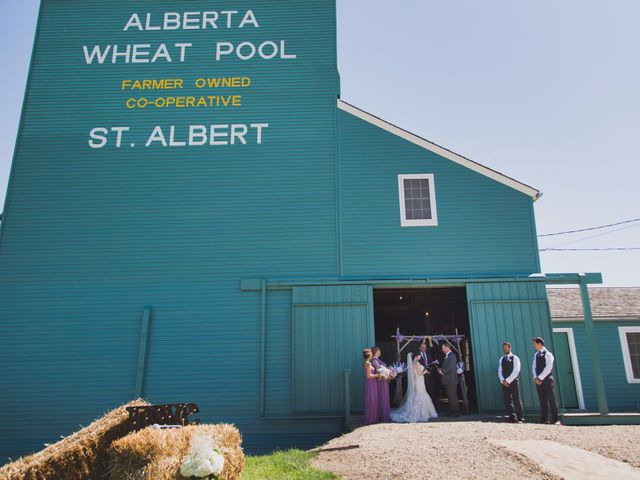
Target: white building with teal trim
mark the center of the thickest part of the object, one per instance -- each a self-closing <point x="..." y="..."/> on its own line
<point x="237" y="246"/>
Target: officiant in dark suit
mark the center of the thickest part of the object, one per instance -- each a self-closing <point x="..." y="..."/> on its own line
<point x="426" y="358"/>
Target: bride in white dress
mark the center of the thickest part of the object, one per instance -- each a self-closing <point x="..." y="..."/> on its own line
<point x="417" y="405"/>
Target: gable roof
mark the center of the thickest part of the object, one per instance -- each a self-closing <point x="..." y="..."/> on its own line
<point x="443" y="152"/>
<point x="606" y="302"/>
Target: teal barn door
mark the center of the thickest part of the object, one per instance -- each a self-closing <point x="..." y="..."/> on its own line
<point x="506" y="311"/>
<point x="331" y="326"/>
<point x="564" y="370"/>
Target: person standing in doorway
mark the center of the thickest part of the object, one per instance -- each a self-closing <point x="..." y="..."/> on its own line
<point x="425" y="359"/>
<point x="542" y="368"/>
<point x="450" y="379"/>
<point x="508" y="371"/>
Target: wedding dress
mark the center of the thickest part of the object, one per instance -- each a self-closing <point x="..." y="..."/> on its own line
<point x="417" y="405"/>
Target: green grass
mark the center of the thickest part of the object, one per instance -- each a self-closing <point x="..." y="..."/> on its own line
<point x="287" y="465"/>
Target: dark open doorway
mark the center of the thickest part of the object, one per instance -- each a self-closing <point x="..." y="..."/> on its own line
<point x="425" y="311"/>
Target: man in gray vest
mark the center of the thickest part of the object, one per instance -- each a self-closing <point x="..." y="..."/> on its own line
<point x="542" y="368"/>
<point x="508" y="371"/>
<point x="450" y="379"/>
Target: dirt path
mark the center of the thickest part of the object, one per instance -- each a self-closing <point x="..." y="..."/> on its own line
<point x="570" y="462"/>
<point x="465" y="450"/>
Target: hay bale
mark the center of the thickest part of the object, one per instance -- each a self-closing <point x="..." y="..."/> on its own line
<point x="81" y="455"/>
<point x="153" y="454"/>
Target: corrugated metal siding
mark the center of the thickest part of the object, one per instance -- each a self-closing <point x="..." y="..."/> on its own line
<point x="483" y="227"/>
<point x="91" y="236"/>
<point x="621" y="395"/>
<point x="331" y="327"/>
<point x="510" y="311"/>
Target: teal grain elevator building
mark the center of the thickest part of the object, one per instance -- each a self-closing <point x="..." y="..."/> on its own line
<point x="194" y="214"/>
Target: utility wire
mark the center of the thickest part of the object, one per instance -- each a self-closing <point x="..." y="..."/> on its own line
<point x="590" y="228"/>
<point x="596" y="235"/>
<point x="588" y="249"/>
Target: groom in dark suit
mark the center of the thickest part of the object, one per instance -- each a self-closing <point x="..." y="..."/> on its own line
<point x="449" y="373"/>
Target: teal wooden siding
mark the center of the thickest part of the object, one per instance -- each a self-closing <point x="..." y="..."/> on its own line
<point x="279" y="353"/>
<point x="621" y="395"/>
<point x="565" y="371"/>
<point x="89" y="237"/>
<point x="512" y="312"/>
<point x="331" y="327"/>
<point x="160" y="213"/>
<point x="484" y="227"/>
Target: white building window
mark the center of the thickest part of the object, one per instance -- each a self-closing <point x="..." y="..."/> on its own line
<point x="417" y="200"/>
<point x="630" y="342"/>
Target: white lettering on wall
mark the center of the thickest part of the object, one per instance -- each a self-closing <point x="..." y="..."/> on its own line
<point x="248" y="50"/>
<point x="136" y="53"/>
<point x="192" y="20"/>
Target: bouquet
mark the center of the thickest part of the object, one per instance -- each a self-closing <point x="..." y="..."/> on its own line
<point x="204" y="459"/>
<point x="386" y="373"/>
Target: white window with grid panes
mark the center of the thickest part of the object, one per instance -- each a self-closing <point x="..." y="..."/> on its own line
<point x="630" y="343"/>
<point x="417" y="200"/>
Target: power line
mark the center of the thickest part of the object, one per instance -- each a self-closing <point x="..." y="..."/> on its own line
<point x="596" y="235"/>
<point x="590" y="228"/>
<point x="588" y="249"/>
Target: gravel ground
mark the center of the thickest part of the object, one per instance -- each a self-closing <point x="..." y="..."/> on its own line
<point x="462" y="450"/>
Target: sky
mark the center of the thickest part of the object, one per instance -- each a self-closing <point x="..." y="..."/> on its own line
<point x="545" y="92"/>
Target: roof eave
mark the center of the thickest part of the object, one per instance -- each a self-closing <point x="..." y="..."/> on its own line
<point x="532" y="192"/>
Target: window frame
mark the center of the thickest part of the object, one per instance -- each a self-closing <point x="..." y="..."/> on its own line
<point x="626" y="355"/>
<point x="404" y="222"/>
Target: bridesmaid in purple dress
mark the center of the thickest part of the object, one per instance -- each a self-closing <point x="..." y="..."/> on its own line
<point x="371" y="407"/>
<point x="384" y="403"/>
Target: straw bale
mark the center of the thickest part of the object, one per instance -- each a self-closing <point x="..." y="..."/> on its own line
<point x="153" y="454"/>
<point x="81" y="455"/>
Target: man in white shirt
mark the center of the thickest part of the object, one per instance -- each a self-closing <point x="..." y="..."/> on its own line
<point x="542" y="368"/>
<point x="508" y="371"/>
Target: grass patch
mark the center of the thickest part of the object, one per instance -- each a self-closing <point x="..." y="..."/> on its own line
<point x="288" y="465"/>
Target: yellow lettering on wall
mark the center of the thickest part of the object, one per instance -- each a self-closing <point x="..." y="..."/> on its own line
<point x="152" y="84"/>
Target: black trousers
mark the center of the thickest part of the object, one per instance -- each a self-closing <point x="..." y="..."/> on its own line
<point x="547" y="400"/>
<point x="512" y="400"/>
<point x="452" y="398"/>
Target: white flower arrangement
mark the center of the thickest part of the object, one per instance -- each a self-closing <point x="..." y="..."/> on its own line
<point x="204" y="460"/>
<point x="385" y="373"/>
<point x="399" y="367"/>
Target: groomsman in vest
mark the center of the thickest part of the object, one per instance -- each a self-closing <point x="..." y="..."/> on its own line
<point x="508" y="371"/>
<point x="542" y="367"/>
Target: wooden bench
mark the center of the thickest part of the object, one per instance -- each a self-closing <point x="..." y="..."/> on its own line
<point x="168" y="414"/>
